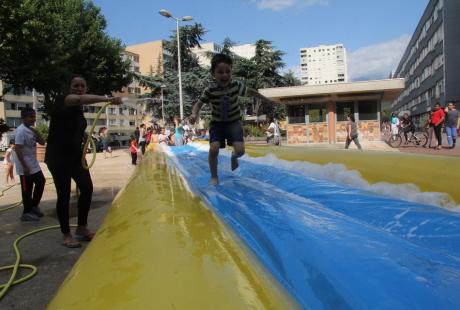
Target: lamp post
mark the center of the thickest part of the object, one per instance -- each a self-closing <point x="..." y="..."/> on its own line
<point x="166" y="14"/>
<point x="162" y="103"/>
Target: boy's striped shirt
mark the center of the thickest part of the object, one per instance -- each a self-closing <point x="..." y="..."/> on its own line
<point x="224" y="101"/>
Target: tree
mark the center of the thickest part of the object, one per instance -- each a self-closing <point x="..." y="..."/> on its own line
<point x="43" y="43"/>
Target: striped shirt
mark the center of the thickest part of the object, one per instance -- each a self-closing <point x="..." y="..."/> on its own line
<point x="224" y="101"/>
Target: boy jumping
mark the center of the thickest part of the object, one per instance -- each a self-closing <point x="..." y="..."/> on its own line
<point x="226" y="115"/>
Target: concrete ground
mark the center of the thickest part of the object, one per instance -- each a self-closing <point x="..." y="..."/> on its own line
<point x="44" y="250"/>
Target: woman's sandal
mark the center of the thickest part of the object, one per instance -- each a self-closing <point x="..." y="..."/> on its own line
<point x="88" y="236"/>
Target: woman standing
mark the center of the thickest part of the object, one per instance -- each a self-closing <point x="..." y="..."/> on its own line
<point x="352" y="132"/>
<point x="63" y="157"/>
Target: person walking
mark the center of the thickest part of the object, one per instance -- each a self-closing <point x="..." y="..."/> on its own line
<point x="105" y="139"/>
<point x="352" y="132"/>
<point x="273" y="132"/>
<point x="27" y="167"/>
<point x="8" y="163"/>
<point x="452" y="124"/>
<point x="437" y="120"/>
<point x="64" y="154"/>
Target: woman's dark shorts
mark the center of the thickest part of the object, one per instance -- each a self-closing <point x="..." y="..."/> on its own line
<point x="230" y="131"/>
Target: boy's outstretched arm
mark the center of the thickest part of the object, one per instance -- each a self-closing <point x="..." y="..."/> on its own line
<point x="195" y="110"/>
<point x="254" y="93"/>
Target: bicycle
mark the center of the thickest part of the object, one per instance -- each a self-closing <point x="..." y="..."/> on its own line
<point x="416" y="139"/>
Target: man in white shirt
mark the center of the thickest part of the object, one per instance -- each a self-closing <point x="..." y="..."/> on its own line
<point x="273" y="132"/>
<point x="27" y="167"/>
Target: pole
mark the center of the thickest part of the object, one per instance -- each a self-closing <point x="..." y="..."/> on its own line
<point x="181" y="105"/>
<point x="162" y="107"/>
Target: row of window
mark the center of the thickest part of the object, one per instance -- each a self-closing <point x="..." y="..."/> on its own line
<point x="430" y="95"/>
<point x="424" y="31"/>
<point x="437" y="37"/>
<point x="323" y="49"/>
<point x="316" y="113"/>
<point x="437" y="63"/>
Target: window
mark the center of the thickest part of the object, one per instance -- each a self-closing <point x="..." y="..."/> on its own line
<point x="296" y="114"/>
<point x="120" y="111"/>
<point x="343" y="109"/>
<point x="317" y="113"/>
<point x="13" y="106"/>
<point x="113" y="122"/>
<point x="367" y="110"/>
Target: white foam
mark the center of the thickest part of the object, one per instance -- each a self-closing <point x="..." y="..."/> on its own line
<point x="339" y="174"/>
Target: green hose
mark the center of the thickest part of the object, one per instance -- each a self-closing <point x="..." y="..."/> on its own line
<point x="4" y="287"/>
<point x="89" y="140"/>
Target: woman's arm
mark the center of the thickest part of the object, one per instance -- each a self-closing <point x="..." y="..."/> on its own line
<point x="75" y="100"/>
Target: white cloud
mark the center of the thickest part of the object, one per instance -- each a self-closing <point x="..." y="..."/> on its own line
<point x="378" y="60"/>
<point x="278" y="5"/>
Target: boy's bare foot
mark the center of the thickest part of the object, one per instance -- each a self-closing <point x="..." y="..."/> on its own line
<point x="234" y="163"/>
<point x="214" y="181"/>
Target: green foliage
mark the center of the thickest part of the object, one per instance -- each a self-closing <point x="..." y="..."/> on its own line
<point x="45" y="42"/>
<point x="253" y="131"/>
<point x="43" y="129"/>
<point x="3" y="127"/>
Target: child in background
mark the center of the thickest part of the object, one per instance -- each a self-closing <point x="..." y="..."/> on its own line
<point x="162" y="137"/>
<point x="133" y="150"/>
<point x="9" y="163"/>
<point x="27" y="167"/>
<point x="222" y="96"/>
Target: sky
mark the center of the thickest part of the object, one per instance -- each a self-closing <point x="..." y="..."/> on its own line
<point x="374" y="32"/>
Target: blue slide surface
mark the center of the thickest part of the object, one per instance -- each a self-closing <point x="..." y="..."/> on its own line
<point x="332" y="246"/>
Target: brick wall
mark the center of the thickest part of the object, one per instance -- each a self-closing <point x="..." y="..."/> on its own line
<point x="369" y="130"/>
<point x="297" y="133"/>
<point x="318" y="132"/>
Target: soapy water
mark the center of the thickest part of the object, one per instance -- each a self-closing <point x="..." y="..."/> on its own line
<point x="331" y="239"/>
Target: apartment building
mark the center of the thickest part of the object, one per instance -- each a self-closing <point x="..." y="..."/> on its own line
<point x="246" y="51"/>
<point x="430" y="64"/>
<point x="134" y="87"/>
<point x="149" y="56"/>
<point x="324" y="64"/>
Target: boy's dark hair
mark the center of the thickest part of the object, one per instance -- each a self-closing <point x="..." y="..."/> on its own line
<point x="220" y="58"/>
<point x="27" y="111"/>
<point x="11" y="141"/>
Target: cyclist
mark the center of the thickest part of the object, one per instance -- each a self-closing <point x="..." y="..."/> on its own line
<point x="407" y="126"/>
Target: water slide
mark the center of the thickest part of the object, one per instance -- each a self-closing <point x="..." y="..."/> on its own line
<point x="291" y="234"/>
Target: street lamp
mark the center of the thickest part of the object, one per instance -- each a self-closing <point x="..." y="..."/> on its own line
<point x="166" y="14"/>
<point x="162" y="103"/>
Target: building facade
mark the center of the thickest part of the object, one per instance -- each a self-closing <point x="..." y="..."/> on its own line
<point x="318" y="114"/>
<point x="150" y="59"/>
<point x="324" y="64"/>
<point x="203" y="51"/>
<point x="133" y="88"/>
<point x="430" y="65"/>
<point x="245" y="50"/>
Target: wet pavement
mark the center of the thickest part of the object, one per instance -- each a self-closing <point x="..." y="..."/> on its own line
<point x="44" y="250"/>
